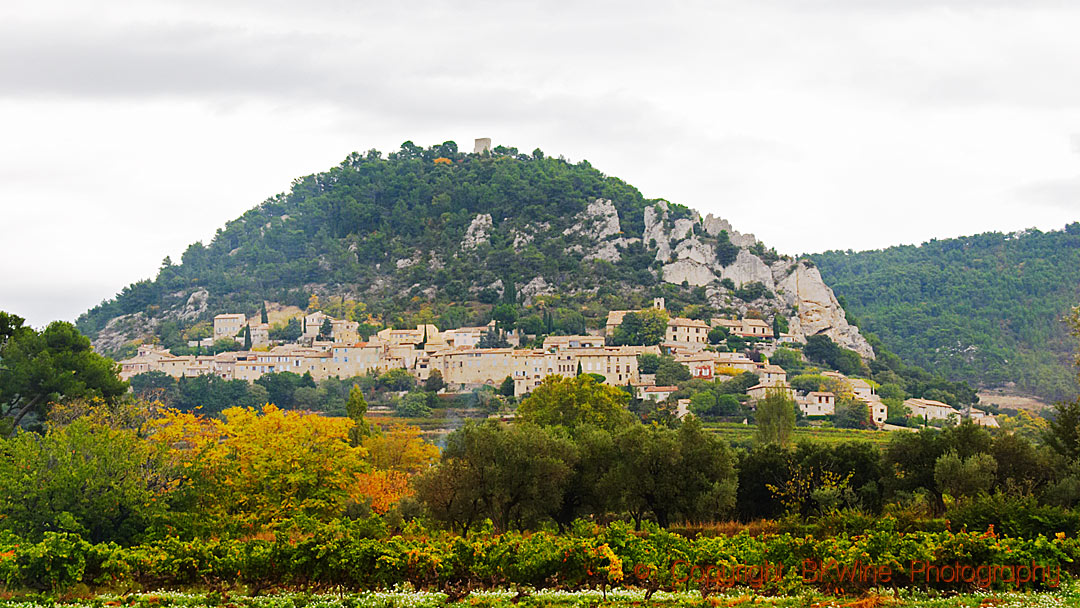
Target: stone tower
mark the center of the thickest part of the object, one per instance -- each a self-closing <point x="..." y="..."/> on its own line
<point x="658" y="303"/>
<point x="483" y="144"/>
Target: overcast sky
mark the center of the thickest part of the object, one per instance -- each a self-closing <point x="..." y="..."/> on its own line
<point x="129" y="130"/>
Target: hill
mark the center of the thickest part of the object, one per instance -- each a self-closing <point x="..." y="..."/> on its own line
<point x="438" y="235"/>
<point x="987" y="308"/>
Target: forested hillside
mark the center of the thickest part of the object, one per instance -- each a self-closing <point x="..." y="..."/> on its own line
<point x="397" y="234"/>
<point x="434" y="235"/>
<point x="986" y="308"/>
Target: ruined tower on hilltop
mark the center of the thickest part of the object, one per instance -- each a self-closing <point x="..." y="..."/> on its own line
<point x="483" y="144"/>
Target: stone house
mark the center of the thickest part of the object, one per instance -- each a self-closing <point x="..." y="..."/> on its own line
<point x="228" y="325"/>
<point x="817" y="403"/>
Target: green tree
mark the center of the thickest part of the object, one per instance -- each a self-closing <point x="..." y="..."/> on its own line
<point x="853" y="414"/>
<point x="434" y="382"/>
<point x="105" y="484"/>
<point x="504" y="315"/>
<point x="326" y="331"/>
<point x="644" y="328"/>
<point x="648" y="363"/>
<point x="515" y="475"/>
<point x="155" y="386"/>
<point x="1064" y="432"/>
<point x="263" y="317"/>
<point x="965" y="477"/>
<point x="56" y="364"/>
<point x="789" y="359"/>
<point x="775" y="418"/>
<point x="247" y="337"/>
<point x="355" y="409"/>
<point x="571" y="402"/>
<point x="668" y="473"/>
<point x="506" y="389"/>
<point x="416" y="404"/>
<point x="718" y="334"/>
<point x="670" y="372"/>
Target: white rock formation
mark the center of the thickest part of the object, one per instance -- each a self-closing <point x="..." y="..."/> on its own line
<point x="655" y="232"/>
<point x="748" y="268"/>
<point x="195" y="306"/>
<point x="599" y="221"/>
<point x="682" y="228"/>
<point x="713" y="226"/>
<point x="477" y="232"/>
<point x="536" y="287"/>
<point x="599" y="224"/>
<point x="692" y="272"/>
<point x="818" y="310"/>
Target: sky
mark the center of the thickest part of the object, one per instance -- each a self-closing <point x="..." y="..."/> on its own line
<point x="129" y="130"/>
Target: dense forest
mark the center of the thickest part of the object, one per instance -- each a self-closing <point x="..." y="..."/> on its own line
<point x="393" y="233"/>
<point x="986" y="308"/>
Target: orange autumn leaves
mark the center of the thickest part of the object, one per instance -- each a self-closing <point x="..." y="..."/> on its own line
<point x="253" y="471"/>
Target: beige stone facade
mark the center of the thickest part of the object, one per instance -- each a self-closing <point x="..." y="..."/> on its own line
<point x="228" y="325"/>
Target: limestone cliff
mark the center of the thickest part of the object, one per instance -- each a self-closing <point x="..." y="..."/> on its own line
<point x="687" y="250"/>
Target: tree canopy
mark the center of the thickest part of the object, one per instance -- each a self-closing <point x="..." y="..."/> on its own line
<point x="57" y="363"/>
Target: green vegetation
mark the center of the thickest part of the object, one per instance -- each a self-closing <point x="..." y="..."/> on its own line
<point x="37" y="368"/>
<point x="389" y="230"/>
<point x="986" y="308"/>
<point x="555" y="598"/>
<point x="118" y="494"/>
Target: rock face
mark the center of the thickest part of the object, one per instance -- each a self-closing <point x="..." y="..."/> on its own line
<point x="598" y="224"/>
<point x="477" y="232"/>
<point x="749" y="268"/>
<point x="535" y="287"/>
<point x="797" y="286"/>
<point x="599" y="221"/>
<point x="818" y="310"/>
<point x="714" y="225"/>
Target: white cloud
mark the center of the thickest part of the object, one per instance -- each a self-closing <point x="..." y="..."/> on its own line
<point x="133" y="128"/>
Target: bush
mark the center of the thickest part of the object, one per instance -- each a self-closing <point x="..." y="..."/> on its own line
<point x="1014" y="516"/>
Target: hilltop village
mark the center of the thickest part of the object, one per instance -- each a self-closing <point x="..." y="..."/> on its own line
<point x="332" y="348"/>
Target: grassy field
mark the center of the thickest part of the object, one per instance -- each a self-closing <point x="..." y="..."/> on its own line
<point x="740" y="433"/>
<point x="591" y="598"/>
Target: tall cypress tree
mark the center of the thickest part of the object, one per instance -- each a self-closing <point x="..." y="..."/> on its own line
<point x="355" y="408"/>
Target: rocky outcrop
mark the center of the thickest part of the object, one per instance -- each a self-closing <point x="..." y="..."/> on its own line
<point x="193" y="307"/>
<point x="535" y="287"/>
<point x="795" y="284"/>
<point x="123" y="329"/>
<point x="818" y="311"/>
<point x="477" y="232"/>
<point x="714" y="225"/>
<point x="598" y="224"/>
<point x="655" y="234"/>
<point x="748" y="268"/>
<point x="599" y="221"/>
<point x="689" y="271"/>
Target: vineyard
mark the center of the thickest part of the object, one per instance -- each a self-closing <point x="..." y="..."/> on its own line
<point x="360" y="555"/>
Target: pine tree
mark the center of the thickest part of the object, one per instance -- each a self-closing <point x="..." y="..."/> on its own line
<point x="579" y="368"/>
<point x="264" y="318"/>
<point x="247" y="337"/>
